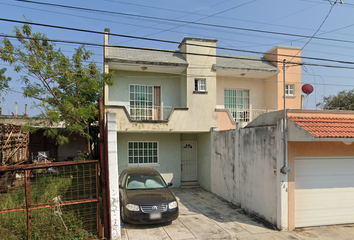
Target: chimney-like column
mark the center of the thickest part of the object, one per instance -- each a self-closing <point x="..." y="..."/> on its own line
<point x="15" y="108"/>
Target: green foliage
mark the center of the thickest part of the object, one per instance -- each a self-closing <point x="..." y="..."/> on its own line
<point x="344" y="100"/>
<point x="68" y="88"/>
<point x="81" y="156"/>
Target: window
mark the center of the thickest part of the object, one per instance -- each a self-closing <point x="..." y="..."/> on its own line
<point x="142" y="152"/>
<point x="141" y="102"/>
<point x="289" y="90"/>
<point x="238" y="102"/>
<point x="147" y="181"/>
<point x="199" y="85"/>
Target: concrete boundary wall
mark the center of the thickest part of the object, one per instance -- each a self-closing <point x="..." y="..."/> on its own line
<point x="258" y="158"/>
<point x="244" y="169"/>
<point x="224" y="165"/>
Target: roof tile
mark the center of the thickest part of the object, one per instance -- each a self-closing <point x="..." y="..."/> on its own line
<point x="326" y="127"/>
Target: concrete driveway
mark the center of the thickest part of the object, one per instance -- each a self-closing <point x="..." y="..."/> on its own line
<point x="203" y="215"/>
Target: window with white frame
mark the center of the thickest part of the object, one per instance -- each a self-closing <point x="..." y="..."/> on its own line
<point x="199" y="85"/>
<point x="289" y="90"/>
<point x="141" y="102"/>
<point x="143" y="152"/>
<point x="238" y="101"/>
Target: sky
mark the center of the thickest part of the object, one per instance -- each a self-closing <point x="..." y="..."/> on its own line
<point x="323" y="28"/>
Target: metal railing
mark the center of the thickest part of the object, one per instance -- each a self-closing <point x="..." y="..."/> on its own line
<point x="50" y="201"/>
<point x="146" y="113"/>
<point x="248" y="115"/>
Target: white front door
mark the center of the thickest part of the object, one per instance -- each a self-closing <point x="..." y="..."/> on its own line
<point x="189" y="161"/>
<point x="324" y="191"/>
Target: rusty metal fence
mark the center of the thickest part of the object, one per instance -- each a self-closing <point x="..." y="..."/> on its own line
<point x="13" y="145"/>
<point x="50" y="201"/>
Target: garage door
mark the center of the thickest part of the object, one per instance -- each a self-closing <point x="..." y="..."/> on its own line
<point x="324" y="191"/>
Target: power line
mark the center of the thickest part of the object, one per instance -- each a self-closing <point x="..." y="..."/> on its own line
<point x="182" y="21"/>
<point x="222" y="17"/>
<point x="259" y="44"/>
<point x="150" y="27"/>
<point x="158" y="40"/>
<point x="208" y="16"/>
<point x="197" y="54"/>
<point x="324" y="20"/>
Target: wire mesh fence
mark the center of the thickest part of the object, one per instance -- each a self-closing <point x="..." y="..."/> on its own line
<point x="50" y="201"/>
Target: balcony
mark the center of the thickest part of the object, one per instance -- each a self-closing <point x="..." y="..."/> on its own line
<point x="249" y="115"/>
<point x="146" y="113"/>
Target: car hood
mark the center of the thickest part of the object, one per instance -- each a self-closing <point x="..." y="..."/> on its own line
<point x="153" y="196"/>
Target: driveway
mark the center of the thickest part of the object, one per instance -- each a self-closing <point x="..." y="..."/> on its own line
<point x="203" y="215"/>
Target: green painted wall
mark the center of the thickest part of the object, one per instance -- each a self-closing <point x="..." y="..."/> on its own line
<point x="170" y="86"/>
<point x="169" y="153"/>
<point x="204" y="160"/>
<point x="188" y="136"/>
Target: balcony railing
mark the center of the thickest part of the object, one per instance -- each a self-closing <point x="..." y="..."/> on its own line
<point x="155" y="113"/>
<point x="248" y="115"/>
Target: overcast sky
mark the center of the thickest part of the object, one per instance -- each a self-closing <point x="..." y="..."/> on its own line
<point x="333" y="23"/>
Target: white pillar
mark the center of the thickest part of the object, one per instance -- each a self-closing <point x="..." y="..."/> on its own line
<point x="113" y="176"/>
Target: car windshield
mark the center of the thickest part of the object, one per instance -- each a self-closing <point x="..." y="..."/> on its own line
<point x="148" y="181"/>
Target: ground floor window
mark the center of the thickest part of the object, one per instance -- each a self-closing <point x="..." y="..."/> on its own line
<point x="238" y="101"/>
<point x="143" y="152"/>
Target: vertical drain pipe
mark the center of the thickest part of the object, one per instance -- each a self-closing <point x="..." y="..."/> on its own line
<point x="285" y="169"/>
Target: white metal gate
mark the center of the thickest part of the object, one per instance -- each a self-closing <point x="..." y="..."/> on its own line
<point x="189" y="161"/>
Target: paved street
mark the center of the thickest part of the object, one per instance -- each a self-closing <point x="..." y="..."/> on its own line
<point x="205" y="216"/>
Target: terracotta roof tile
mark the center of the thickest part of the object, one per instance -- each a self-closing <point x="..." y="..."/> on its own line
<point x="326" y="127"/>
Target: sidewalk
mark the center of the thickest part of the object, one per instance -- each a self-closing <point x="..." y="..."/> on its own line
<point x="203" y="215"/>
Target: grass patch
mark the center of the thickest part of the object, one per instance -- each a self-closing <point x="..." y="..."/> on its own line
<point x="77" y="221"/>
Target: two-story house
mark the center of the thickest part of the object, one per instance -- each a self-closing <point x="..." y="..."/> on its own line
<point x="168" y="102"/>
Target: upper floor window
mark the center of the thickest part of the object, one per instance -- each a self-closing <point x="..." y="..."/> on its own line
<point x="143" y="152"/>
<point x="238" y="101"/>
<point x="141" y="102"/>
<point x="289" y="90"/>
<point x="199" y="85"/>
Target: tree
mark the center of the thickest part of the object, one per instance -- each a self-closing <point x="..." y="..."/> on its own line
<point x="344" y="100"/>
<point x="68" y="89"/>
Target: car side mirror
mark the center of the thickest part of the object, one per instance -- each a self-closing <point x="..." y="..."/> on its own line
<point x="169" y="184"/>
<point x="120" y="186"/>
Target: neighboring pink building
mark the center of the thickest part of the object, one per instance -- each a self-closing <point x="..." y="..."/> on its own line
<point x="258" y="85"/>
<point x="321" y="156"/>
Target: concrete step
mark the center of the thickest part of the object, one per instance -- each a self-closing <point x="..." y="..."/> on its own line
<point x="190" y="185"/>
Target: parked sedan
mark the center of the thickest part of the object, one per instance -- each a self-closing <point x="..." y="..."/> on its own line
<point x="145" y="197"/>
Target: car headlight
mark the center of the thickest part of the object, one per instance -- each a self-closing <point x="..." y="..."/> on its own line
<point x="132" y="207"/>
<point x="172" y="205"/>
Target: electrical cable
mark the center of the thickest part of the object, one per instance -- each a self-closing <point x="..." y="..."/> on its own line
<point x="198" y="54"/>
<point x="221" y="17"/>
<point x="181" y="21"/>
<point x="324" y="20"/>
<point x="153" y="39"/>
<point x="208" y="16"/>
<point x="151" y="27"/>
